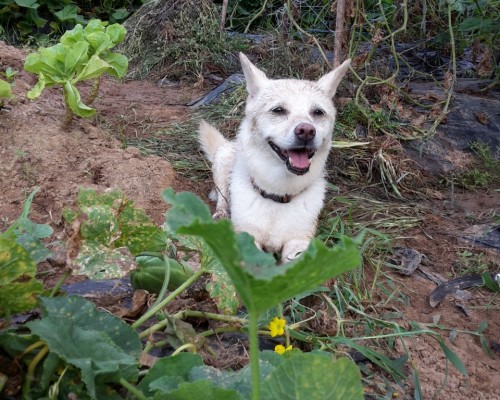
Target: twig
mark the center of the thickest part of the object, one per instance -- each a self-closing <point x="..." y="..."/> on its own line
<point x="223" y="15"/>
<point x="438" y="121"/>
<point x="257" y="15"/>
<point x="339" y="33"/>
<point x="318" y="45"/>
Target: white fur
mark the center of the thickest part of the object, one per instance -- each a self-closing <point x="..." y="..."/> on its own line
<point x="250" y="161"/>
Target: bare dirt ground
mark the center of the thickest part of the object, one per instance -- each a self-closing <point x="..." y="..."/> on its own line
<point x="34" y="151"/>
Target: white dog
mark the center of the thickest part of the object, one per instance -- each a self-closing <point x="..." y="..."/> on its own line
<point x="270" y="180"/>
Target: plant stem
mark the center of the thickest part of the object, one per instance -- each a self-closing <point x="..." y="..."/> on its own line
<point x="185" y="346"/>
<point x="217" y="317"/>
<point x="255" y="16"/>
<point x="194" y="314"/>
<point x="132" y="389"/>
<point x="68" y="118"/>
<point x="30" y="376"/>
<point x="157" y="307"/>
<point x="254" y="354"/>
<point x="59" y="283"/>
<point x="95" y="90"/>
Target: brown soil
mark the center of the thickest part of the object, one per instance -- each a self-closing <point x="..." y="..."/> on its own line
<point x="34" y="151"/>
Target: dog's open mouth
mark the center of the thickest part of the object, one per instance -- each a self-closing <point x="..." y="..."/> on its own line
<point x="297" y="160"/>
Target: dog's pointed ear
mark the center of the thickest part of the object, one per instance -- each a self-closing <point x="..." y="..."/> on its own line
<point x="254" y="77"/>
<point x="331" y="81"/>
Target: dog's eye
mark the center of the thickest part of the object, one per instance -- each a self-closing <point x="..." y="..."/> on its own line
<point x="278" y="110"/>
<point x="318" y="112"/>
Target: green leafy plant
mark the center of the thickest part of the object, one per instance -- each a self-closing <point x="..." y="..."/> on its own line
<point x="112" y="230"/>
<point x="5" y="86"/>
<point x="24" y="18"/>
<point x="5" y="90"/>
<point x="40" y="20"/>
<point x="20" y="251"/>
<point x="76" y="349"/>
<point x="82" y="54"/>
<point x="258" y="281"/>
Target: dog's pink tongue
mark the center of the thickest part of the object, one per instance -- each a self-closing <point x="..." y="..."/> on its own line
<point x="298" y="159"/>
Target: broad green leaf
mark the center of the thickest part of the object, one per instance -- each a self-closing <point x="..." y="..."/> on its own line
<point x="27" y="3"/>
<point x="36" y="91"/>
<point x="100" y="262"/>
<point x="114" y="221"/>
<point x="138" y="237"/>
<point x="18" y="287"/>
<point x="137" y="230"/>
<point x="220" y="287"/>
<point x="48" y="61"/>
<point x="84" y="313"/>
<point x="313" y="376"/>
<point x="270" y="357"/>
<point x="186" y="208"/>
<point x="32" y="244"/>
<point x="95" y="25"/>
<point x="73" y="36"/>
<point x="40" y="231"/>
<point x="19" y="296"/>
<point x="69" y="12"/>
<point x="119" y="14"/>
<point x="5" y="90"/>
<point x="118" y="64"/>
<point x="177" y="367"/>
<point x="72" y="97"/>
<point x="116" y="33"/>
<point x="95" y="67"/>
<point x="36" y="18"/>
<point x="99" y="41"/>
<point x="89" y="197"/>
<point x="200" y="390"/>
<point x="100" y="225"/>
<point x="101" y="345"/>
<point x="75" y="57"/>
<point x="240" y="381"/>
<point x="223" y="292"/>
<point x="260" y="283"/>
<point x="15" y="262"/>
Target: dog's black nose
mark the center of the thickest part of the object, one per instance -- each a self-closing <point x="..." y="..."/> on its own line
<point x="305" y="132"/>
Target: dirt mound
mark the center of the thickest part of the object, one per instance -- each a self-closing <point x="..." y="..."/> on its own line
<point x="35" y="151"/>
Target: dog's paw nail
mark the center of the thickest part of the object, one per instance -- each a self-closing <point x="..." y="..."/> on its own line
<point x="220" y="215"/>
<point x="293" y="256"/>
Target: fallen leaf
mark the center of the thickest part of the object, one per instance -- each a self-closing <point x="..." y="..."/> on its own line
<point x="419" y="121"/>
<point x="482" y="118"/>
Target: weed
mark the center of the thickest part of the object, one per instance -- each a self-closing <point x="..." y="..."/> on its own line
<point x="483" y="173"/>
<point x="469" y="262"/>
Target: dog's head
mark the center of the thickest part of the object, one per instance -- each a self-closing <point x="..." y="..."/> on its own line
<point x="291" y="120"/>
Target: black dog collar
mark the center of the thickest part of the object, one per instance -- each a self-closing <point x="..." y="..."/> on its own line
<point x="287" y="198"/>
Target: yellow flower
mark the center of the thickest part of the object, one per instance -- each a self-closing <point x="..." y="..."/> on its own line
<point x="277" y="326"/>
<point x="280" y="349"/>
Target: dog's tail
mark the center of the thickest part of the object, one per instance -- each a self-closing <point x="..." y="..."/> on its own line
<point x="210" y="139"/>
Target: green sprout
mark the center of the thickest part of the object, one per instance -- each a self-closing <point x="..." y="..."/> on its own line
<point x="82" y="54"/>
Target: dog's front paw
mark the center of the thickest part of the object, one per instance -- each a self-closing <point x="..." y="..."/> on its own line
<point x="221" y="214"/>
<point x="293" y="249"/>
